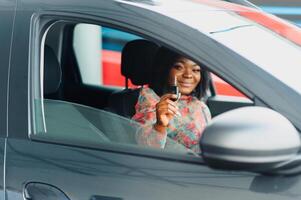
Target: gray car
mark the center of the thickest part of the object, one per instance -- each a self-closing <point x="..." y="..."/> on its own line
<point x="65" y="125"/>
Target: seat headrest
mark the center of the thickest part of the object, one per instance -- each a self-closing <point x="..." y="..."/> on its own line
<point x="136" y="61"/>
<point x="52" y="71"/>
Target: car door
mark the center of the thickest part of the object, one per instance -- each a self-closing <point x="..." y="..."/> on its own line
<point x="80" y="167"/>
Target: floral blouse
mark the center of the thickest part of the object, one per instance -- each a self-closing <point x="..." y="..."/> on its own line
<point x="185" y="129"/>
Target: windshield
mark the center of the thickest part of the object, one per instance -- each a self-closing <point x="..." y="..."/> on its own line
<point x="267" y="49"/>
<point x="271" y="52"/>
<point x="272" y="44"/>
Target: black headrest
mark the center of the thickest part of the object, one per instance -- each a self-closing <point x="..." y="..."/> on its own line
<point x="136" y="61"/>
<point x="52" y="71"/>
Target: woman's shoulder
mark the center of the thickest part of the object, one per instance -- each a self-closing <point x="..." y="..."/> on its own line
<point x="147" y="91"/>
<point x="147" y="94"/>
<point x="204" y="108"/>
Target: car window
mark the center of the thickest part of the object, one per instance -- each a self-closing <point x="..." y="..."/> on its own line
<point x="77" y="85"/>
<point x="83" y="101"/>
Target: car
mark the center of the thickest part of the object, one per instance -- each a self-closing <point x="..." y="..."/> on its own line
<point x="66" y="135"/>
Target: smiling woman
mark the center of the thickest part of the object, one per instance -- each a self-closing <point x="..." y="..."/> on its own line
<point x="160" y="110"/>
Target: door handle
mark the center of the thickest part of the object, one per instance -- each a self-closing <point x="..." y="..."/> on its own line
<point x="38" y="191"/>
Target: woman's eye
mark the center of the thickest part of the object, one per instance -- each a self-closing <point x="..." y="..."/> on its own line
<point x="178" y="67"/>
<point x="196" y="70"/>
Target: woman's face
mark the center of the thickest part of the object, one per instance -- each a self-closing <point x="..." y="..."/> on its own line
<point x="187" y="73"/>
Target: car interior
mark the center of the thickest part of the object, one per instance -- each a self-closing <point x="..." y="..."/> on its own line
<point x="72" y="107"/>
<point x="136" y="63"/>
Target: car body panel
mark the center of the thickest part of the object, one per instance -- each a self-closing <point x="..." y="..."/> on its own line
<point x="83" y="173"/>
<point x="7" y="18"/>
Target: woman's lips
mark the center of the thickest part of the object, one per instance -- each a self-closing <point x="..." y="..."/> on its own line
<point x="184" y="84"/>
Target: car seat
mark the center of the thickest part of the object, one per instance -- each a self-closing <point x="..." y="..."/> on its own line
<point x="52" y="73"/>
<point x="136" y="65"/>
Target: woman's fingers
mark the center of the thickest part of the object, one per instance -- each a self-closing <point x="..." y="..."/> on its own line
<point x="167" y="109"/>
<point x="166" y="100"/>
<point x="168" y="96"/>
<point x="167" y="105"/>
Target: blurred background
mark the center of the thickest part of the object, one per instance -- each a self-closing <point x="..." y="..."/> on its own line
<point x="287" y="9"/>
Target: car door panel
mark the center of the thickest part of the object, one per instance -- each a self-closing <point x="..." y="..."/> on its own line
<point x="95" y="174"/>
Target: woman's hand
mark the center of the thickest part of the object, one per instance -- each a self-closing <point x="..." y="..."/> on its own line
<point x="166" y="109"/>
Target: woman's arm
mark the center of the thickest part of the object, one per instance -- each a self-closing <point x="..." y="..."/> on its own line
<point x="155" y="122"/>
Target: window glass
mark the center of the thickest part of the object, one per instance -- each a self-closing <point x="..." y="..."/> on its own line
<point x="66" y="121"/>
<point x="275" y="52"/>
<point x="72" y="123"/>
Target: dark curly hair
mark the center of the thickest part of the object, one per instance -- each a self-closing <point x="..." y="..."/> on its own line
<point x="163" y="62"/>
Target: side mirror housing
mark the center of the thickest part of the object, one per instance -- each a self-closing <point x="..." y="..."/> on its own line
<point x="249" y="138"/>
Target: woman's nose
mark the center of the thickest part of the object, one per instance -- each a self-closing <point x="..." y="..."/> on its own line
<point x="187" y="73"/>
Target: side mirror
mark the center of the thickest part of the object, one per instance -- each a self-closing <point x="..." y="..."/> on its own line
<point x="249" y="138"/>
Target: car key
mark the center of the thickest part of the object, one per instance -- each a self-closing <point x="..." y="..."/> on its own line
<point x="174" y="89"/>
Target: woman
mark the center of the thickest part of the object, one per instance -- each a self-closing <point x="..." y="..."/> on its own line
<point x="162" y="115"/>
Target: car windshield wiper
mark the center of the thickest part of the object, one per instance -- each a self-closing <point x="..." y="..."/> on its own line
<point x="230" y="29"/>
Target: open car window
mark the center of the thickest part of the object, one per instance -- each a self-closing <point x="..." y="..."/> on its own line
<point x="84" y="90"/>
